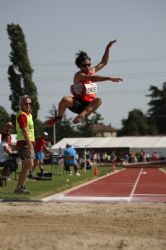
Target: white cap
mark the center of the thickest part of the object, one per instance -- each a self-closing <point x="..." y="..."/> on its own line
<point x="45" y="133"/>
<point x="9" y="124"/>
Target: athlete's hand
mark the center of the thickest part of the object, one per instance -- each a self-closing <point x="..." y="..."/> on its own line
<point x="116" y="79"/>
<point x="111" y="43"/>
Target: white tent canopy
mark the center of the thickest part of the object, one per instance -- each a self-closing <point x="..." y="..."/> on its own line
<point x="149" y="143"/>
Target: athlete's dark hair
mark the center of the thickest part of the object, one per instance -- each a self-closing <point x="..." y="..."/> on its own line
<point x="80" y="57"/>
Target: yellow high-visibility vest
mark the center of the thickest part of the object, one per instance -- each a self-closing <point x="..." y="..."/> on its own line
<point x="30" y="127"/>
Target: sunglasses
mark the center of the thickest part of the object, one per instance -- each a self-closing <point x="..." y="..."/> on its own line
<point x="86" y="65"/>
<point x="27" y="103"/>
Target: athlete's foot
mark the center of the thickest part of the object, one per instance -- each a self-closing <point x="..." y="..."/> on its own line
<point x="51" y="122"/>
<point x="79" y="119"/>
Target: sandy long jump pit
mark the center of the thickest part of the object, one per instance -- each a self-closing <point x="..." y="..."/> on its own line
<point x="61" y="226"/>
<point x="91" y="226"/>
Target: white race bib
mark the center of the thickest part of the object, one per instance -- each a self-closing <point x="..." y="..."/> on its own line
<point x="91" y="88"/>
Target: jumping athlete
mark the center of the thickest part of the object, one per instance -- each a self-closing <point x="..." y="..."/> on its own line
<point x="84" y="90"/>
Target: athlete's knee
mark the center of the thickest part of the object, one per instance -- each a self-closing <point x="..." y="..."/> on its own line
<point x="66" y="100"/>
<point x="98" y="101"/>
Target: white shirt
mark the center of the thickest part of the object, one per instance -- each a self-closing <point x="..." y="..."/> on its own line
<point x="3" y="155"/>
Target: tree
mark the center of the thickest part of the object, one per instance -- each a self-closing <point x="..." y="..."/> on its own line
<point x="87" y="129"/>
<point x="20" y="71"/>
<point x="4" y="117"/>
<point x="157" y="111"/>
<point x="97" y="118"/>
<point x="135" y="124"/>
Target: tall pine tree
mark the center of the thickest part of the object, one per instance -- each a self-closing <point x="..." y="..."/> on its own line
<point x="157" y="111"/>
<point x="20" y="71"/>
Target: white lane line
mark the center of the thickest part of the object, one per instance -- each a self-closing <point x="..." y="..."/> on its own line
<point x="160" y="195"/>
<point x="87" y="199"/>
<point x="135" y="184"/>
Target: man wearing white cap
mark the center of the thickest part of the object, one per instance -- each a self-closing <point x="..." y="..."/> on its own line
<point x="40" y="148"/>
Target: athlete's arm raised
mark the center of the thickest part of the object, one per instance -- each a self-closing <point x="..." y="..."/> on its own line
<point x="105" y="57"/>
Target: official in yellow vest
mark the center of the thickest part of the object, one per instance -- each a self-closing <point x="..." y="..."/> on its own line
<point x="25" y="142"/>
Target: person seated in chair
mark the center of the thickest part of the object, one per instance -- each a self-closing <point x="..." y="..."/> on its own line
<point x="7" y="130"/>
<point x="7" y="159"/>
<point x="70" y="159"/>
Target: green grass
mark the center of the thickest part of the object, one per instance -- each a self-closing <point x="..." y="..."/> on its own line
<point x="43" y="188"/>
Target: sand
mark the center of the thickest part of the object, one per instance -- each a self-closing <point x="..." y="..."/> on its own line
<point x="60" y="226"/>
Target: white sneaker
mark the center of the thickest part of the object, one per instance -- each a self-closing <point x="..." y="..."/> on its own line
<point x="21" y="190"/>
<point x="79" y="119"/>
<point x="77" y="174"/>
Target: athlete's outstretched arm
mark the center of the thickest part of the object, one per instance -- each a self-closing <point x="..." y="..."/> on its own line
<point x="106" y="78"/>
<point x="105" y="58"/>
<point x="96" y="78"/>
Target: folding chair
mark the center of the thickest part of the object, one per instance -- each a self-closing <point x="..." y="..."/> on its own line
<point x="2" y="178"/>
<point x="56" y="167"/>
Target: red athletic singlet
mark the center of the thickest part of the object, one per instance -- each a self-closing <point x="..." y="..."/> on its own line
<point x="85" y="90"/>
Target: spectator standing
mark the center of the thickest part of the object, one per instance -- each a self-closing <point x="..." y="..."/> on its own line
<point x="25" y="141"/>
<point x="70" y="159"/>
<point x="147" y="156"/>
<point x="113" y="157"/>
<point x="40" y="149"/>
<point x="143" y="156"/>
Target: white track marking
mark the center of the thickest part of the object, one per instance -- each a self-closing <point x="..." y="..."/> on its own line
<point x="86" y="199"/>
<point x="135" y="184"/>
<point x="154" y="195"/>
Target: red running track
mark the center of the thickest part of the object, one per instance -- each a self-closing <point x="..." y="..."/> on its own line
<point x="130" y="185"/>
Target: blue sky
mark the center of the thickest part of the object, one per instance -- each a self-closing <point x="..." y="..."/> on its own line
<point x="56" y="29"/>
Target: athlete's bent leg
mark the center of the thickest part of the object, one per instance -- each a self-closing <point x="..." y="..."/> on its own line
<point x="88" y="110"/>
<point x="66" y="102"/>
